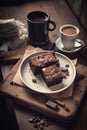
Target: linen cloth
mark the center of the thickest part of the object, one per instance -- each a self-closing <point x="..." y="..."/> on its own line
<point x="13" y="34"/>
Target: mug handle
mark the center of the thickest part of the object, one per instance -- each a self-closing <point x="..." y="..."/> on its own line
<point x="53" y="24"/>
<point x="81" y="42"/>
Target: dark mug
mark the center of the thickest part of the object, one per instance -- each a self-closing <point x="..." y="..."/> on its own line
<point x="38" y="27"/>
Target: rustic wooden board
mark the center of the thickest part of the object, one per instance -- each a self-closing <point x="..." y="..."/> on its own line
<point x="37" y="101"/>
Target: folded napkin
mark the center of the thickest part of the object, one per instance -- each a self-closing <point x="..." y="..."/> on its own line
<point x="13" y="34"/>
<point x="8" y="29"/>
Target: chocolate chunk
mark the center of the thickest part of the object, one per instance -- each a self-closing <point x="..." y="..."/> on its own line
<point x="52" y="105"/>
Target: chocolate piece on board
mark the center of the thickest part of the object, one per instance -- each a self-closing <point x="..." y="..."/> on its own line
<point x="52" y="105"/>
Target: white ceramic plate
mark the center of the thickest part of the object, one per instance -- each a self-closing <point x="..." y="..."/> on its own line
<point x="60" y="46"/>
<point x="40" y="86"/>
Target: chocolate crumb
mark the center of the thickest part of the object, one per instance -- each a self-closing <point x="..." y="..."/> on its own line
<point x="67" y="65"/>
<point x="34" y="80"/>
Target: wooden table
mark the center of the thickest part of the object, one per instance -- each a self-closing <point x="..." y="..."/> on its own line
<point x="61" y="14"/>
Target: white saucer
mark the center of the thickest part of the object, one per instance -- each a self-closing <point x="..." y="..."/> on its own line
<point x="60" y="46"/>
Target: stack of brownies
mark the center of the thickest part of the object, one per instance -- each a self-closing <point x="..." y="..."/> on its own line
<point x="48" y="66"/>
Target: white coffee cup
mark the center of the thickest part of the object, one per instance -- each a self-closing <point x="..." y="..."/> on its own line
<point x="69" y="36"/>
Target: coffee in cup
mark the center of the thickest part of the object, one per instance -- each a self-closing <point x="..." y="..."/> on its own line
<point x="39" y="27"/>
<point x="69" y="36"/>
<point x="69" y="30"/>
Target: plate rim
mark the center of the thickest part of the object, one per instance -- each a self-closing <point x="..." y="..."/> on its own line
<point x="52" y="92"/>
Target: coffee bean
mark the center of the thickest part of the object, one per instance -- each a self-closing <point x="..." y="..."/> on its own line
<point x="42" y="122"/>
<point x="30" y="120"/>
<point x="41" y="127"/>
<point x="35" y="125"/>
<point x="46" y="124"/>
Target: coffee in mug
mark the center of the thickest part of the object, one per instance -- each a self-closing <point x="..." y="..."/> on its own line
<point x="38" y="19"/>
<point x="69" y="36"/>
<point x="39" y="27"/>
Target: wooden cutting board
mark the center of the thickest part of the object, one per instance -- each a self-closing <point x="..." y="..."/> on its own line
<point x="37" y="101"/>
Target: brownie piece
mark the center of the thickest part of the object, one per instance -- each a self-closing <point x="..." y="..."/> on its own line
<point x="42" y="60"/>
<point x="52" y="75"/>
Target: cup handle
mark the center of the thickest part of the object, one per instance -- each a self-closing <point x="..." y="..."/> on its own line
<point x="81" y="42"/>
<point x="53" y="25"/>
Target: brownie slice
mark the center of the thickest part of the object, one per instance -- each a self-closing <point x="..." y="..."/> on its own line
<point x="52" y="75"/>
<point x="42" y="60"/>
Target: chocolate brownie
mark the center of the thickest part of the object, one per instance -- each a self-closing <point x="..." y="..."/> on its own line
<point x="42" y="60"/>
<point x="52" y="75"/>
